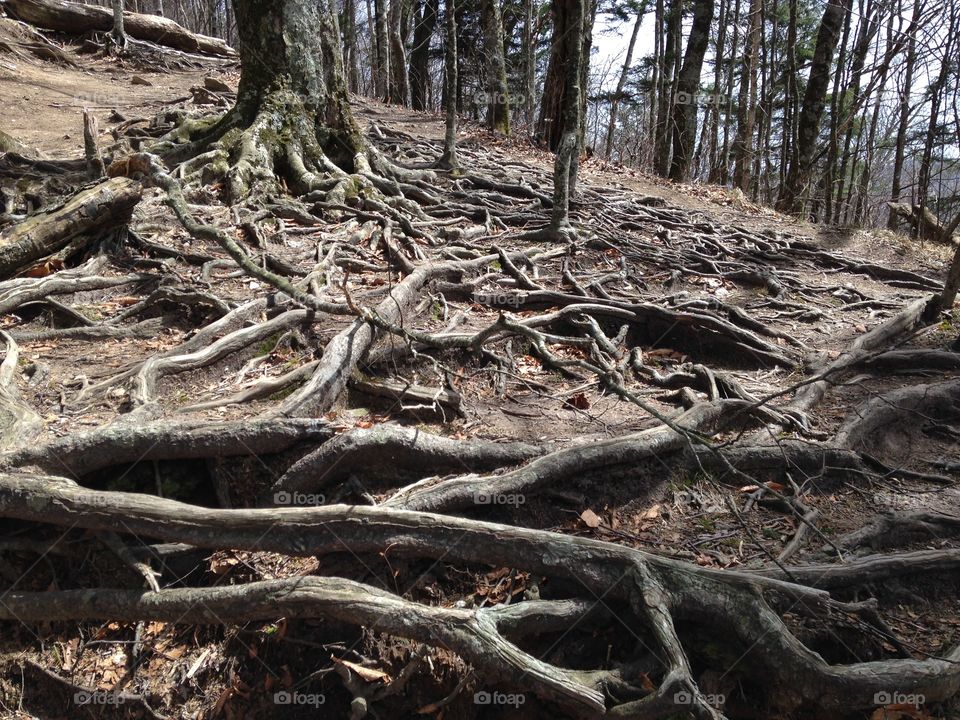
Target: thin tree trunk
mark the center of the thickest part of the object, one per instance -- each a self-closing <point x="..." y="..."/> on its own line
<point x="723" y="172"/>
<point x="747" y="108"/>
<point x="381" y="68"/>
<point x="449" y="158"/>
<point x="713" y="155"/>
<point x="420" y="54"/>
<point x="621" y="83"/>
<point x="904" y="121"/>
<point x="350" y="45"/>
<point x="792" y="98"/>
<point x="529" y="63"/>
<point x="936" y="93"/>
<point x="566" y="164"/>
<point x="118" y="35"/>
<point x="668" y="88"/>
<point x="399" y="87"/>
<point x="863" y="188"/>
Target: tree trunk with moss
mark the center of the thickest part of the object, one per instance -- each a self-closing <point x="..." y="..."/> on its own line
<point x="292" y="113"/>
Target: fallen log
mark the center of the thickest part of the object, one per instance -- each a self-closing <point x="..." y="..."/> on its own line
<point x="104" y="206"/>
<point x="78" y="19"/>
<point x="923" y="222"/>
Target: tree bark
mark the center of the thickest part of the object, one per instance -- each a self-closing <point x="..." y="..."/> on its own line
<point x="399" y="86"/>
<point x="420" y="54"/>
<point x="747" y="103"/>
<point x="688" y="89"/>
<point x="664" y="135"/>
<point x="117" y="34"/>
<point x="349" y="31"/>
<point x="381" y="68"/>
<point x="100" y="208"/>
<point x="498" y="94"/>
<point x="622" y="82"/>
<point x="553" y="116"/>
<point x="449" y="158"/>
<point x="567" y="162"/>
<point x="904" y="120"/>
<point x="310" y="69"/>
<point x="808" y="126"/>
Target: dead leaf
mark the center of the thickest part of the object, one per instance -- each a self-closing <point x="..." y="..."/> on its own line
<point x="365" y="673"/>
<point x="590" y="518"/>
<point x="652" y="513"/>
<point x="579" y="401"/>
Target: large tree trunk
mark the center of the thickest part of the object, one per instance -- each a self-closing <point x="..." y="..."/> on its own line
<point x="563" y="53"/>
<point x="688" y="88"/>
<point x="311" y="68"/>
<point x="808" y="125"/>
<point x="498" y="94"/>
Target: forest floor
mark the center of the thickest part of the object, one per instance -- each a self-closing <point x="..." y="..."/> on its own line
<point x="755" y="300"/>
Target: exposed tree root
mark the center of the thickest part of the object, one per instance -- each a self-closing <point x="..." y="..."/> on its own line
<point x="80" y="454"/>
<point x="389" y="450"/>
<point x="873" y="425"/>
<point x="660" y="592"/>
<point x="901" y="529"/>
